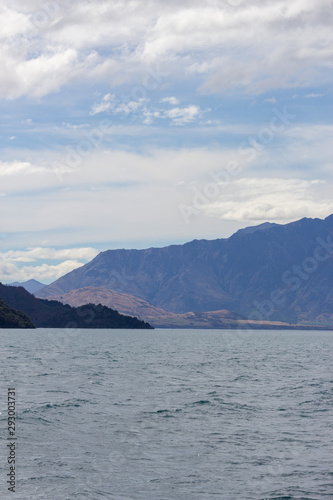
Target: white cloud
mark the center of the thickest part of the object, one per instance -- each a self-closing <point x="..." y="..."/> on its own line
<point x="269" y="199"/>
<point x="171" y="100"/>
<point x="12" y="22"/>
<point x="313" y="96"/>
<point x="130" y="107"/>
<point x="19" y="167"/>
<point x="12" y="268"/>
<point x="112" y="196"/>
<point x="120" y="198"/>
<point x="180" y="116"/>
<point x="44" y="273"/>
<point x="111" y="103"/>
<point x="44" y="253"/>
<point x="107" y="168"/>
<point x="149" y="116"/>
<point x="105" y="105"/>
<point x="177" y="115"/>
<point x="36" y="76"/>
<point x="308" y="147"/>
<point x="256" y="46"/>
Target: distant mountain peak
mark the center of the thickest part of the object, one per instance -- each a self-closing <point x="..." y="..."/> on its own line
<point x="32" y="286"/>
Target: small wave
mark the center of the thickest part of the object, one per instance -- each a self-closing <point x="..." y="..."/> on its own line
<point x="202" y="402"/>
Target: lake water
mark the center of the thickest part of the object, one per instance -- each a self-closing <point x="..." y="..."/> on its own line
<point x="169" y="414"/>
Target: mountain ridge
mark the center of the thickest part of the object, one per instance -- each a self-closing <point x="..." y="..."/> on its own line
<point x="52" y="314"/>
<point x="159" y="318"/>
<point x="240" y="273"/>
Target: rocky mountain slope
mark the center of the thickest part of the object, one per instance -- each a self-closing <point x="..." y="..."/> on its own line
<point x="159" y="318"/>
<point x="270" y="272"/>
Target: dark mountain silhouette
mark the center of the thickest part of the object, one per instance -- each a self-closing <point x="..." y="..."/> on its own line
<point x="11" y="318"/>
<point x="269" y="272"/>
<point x="53" y="314"/>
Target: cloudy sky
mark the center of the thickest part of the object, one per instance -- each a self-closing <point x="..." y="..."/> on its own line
<point x="130" y="124"/>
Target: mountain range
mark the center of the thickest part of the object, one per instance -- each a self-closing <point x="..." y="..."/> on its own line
<point x="133" y="306"/>
<point x="270" y="272"/>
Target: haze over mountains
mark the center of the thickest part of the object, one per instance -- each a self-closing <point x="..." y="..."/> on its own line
<point x="269" y="272"/>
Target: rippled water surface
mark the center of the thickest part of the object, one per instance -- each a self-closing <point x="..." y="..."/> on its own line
<point x="169" y="414"/>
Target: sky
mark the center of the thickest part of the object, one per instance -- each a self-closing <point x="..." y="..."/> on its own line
<point x="131" y="124"/>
